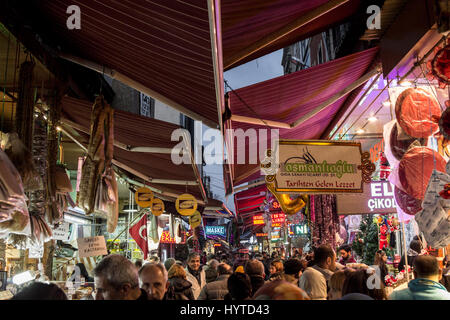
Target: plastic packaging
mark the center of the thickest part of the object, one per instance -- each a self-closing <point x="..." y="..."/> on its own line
<point x="408" y="204"/>
<point x="415" y="170"/>
<point x="417" y="112"/>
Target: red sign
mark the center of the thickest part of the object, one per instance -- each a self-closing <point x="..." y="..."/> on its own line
<point x="166" y="238"/>
<point x="275" y="205"/>
<point x="278" y="219"/>
<point x="258" y="220"/>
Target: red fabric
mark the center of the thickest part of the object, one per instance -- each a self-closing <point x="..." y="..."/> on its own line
<point x="139" y="233"/>
<point x="291" y="96"/>
<point x="415" y="170"/>
<point x="246" y="22"/>
<point x="164" y="45"/>
<point x="417" y="112"/>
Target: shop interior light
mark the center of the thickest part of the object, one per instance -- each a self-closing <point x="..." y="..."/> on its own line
<point x="360" y="131"/>
<point x="406" y="83"/>
<point x="387" y="103"/>
<point x="372" y="119"/>
<point x="128" y="208"/>
<point x="23" y="277"/>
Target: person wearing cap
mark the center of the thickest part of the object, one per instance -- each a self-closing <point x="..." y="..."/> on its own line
<point x="293" y="269"/>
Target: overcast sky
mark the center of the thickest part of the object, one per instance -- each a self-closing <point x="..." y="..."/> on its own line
<point x="255" y="71"/>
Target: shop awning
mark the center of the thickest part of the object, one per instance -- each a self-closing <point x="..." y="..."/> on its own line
<point x="167" y="49"/>
<point x="253" y="28"/>
<point x="290" y="103"/>
<point x="153" y="136"/>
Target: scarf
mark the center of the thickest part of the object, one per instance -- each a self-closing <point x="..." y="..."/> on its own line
<point x="196" y="274"/>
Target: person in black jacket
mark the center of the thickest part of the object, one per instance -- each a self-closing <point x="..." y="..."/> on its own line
<point x="415" y="248"/>
<point x="179" y="288"/>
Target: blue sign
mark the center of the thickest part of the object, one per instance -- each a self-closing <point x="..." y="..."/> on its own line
<point x="215" y="231"/>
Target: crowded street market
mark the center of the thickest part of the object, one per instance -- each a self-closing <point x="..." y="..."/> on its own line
<point x="225" y="150"/>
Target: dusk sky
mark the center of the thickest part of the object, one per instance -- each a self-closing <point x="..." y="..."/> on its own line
<point x="261" y="69"/>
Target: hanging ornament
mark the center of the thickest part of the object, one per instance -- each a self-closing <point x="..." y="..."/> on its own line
<point x="417" y="112"/>
<point x="439" y="66"/>
<point x="186" y="204"/>
<point x="415" y="170"/>
<point x="407" y="203"/>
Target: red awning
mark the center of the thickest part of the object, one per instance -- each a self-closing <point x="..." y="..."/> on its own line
<point x="244" y="23"/>
<point x="137" y="131"/>
<point x="287" y="98"/>
<point x="164" y="46"/>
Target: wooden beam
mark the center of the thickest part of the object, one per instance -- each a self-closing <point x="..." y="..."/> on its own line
<point x="336" y="97"/>
<point x="284" y="31"/>
<point x="138" y="86"/>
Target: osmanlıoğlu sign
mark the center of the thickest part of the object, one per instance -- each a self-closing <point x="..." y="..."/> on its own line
<point x="319" y="166"/>
<point x="378" y="198"/>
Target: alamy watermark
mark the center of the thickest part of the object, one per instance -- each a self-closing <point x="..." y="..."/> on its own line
<point x="374" y="21"/>
<point x="245" y="147"/>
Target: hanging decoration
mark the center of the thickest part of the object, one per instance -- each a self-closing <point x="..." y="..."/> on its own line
<point x="186" y="204"/>
<point x="415" y="170"/>
<point x="417" y="112"/>
<point x="433" y="220"/>
<point x="387" y="225"/>
<point x="143" y="197"/>
<point x="98" y="186"/>
<point x="325" y="223"/>
<point x="157" y="207"/>
<point x="54" y="212"/>
<point x="195" y="220"/>
<point x="439" y="65"/>
<point x="407" y="203"/>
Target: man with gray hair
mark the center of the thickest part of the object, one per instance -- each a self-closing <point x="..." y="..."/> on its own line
<point x="255" y="270"/>
<point x="154" y="280"/>
<point x="194" y="274"/>
<point x="116" y="278"/>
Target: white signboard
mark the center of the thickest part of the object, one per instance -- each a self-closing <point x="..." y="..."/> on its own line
<point x="378" y="197"/>
<point x="62" y="232"/>
<point x="91" y="246"/>
<point x="146" y="103"/>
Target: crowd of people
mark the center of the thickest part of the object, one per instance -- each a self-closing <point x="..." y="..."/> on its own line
<point x="316" y="275"/>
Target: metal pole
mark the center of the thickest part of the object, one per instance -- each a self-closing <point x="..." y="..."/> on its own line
<point x="405" y="249"/>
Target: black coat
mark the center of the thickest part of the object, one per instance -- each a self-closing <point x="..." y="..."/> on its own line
<point x="179" y="289"/>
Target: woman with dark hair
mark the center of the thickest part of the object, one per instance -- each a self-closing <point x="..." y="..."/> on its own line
<point x="40" y="291"/>
<point x="357" y="283"/>
<point x="445" y="281"/>
<point x="380" y="261"/>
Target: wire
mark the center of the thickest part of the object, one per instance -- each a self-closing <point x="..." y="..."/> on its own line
<point x="245" y="104"/>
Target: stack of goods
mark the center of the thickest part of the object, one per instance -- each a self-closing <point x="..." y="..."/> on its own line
<point x="98" y="186"/>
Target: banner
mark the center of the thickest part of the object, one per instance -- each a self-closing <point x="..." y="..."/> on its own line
<point x="316" y="166"/>
<point x="139" y="233"/>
